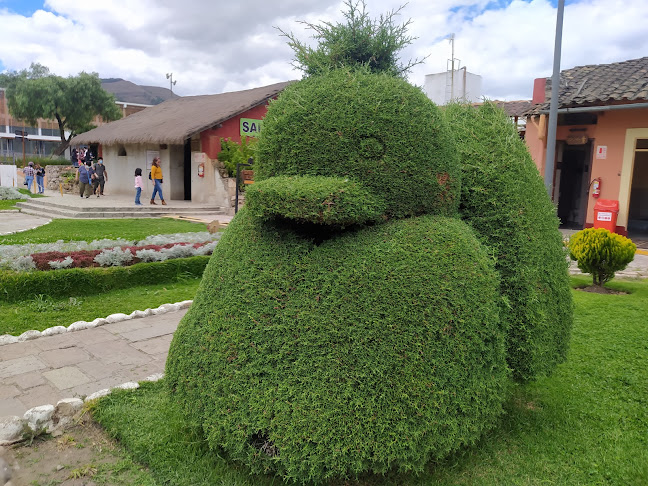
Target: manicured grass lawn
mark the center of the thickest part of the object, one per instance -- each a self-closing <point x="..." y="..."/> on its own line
<point x="44" y="312"/>
<point x="587" y="424"/>
<point x="9" y="203"/>
<point x="94" y="229"/>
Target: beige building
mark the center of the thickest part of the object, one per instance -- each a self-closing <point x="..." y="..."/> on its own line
<point x="185" y="133"/>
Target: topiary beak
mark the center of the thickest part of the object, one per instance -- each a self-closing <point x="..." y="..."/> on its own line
<point x="322" y="200"/>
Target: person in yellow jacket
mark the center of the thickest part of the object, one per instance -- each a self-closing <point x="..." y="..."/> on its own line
<point x="156" y="177"/>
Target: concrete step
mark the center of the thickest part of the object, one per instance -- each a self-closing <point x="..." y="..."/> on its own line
<point x="46" y="204"/>
<point x="116" y="212"/>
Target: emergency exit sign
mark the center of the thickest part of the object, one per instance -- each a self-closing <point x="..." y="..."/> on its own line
<point x="250" y="127"/>
<point x="601" y="152"/>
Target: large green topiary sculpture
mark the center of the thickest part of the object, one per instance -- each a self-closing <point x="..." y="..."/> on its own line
<point x="506" y="203"/>
<point x="349" y="320"/>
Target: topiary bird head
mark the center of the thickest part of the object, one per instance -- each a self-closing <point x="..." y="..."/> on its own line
<point x="349" y="147"/>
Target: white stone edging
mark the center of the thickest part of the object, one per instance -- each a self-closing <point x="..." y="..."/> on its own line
<point x="54" y="419"/>
<point x="81" y="325"/>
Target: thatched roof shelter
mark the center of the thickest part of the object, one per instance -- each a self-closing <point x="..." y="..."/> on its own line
<point x="176" y="120"/>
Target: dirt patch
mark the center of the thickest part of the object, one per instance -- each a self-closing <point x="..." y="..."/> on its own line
<point x="83" y="455"/>
<point x="597" y="289"/>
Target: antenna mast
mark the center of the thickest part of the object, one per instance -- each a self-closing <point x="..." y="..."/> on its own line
<point x="171" y="81"/>
<point x="451" y="61"/>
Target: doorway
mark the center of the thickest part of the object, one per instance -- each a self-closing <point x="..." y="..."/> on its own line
<point x="187" y="170"/>
<point x="572" y="178"/>
<point x="638" y="209"/>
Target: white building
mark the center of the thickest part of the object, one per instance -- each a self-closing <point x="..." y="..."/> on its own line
<point x="453" y="85"/>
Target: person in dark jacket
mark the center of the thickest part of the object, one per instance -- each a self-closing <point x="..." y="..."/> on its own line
<point x="101" y="178"/>
<point x="84" y="176"/>
<point x="40" y="178"/>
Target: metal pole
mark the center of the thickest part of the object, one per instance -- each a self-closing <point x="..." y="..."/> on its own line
<point x="238" y="169"/>
<point x="452" y="67"/>
<point x="238" y="178"/>
<point x="553" y="106"/>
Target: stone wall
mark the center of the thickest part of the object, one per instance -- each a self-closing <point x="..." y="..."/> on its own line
<point x="54" y="177"/>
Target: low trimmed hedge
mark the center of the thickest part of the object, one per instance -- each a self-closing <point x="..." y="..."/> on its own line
<point x="17" y="286"/>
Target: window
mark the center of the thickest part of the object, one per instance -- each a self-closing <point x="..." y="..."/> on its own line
<point x="122" y="151"/>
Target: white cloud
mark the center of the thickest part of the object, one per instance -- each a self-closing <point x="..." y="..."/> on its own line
<point x="213" y="47"/>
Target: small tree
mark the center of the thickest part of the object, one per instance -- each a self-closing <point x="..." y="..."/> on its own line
<point x="361" y="41"/>
<point x="601" y="253"/>
<point x="233" y="153"/>
<point x="73" y="101"/>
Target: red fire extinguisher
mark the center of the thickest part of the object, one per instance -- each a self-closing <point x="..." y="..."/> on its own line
<point x="596" y="187"/>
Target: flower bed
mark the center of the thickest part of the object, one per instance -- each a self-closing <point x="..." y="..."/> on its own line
<point x="111" y="257"/>
<point x="80" y="254"/>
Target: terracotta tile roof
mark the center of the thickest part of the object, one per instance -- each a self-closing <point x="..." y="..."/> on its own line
<point x="600" y="84"/>
<point x="178" y="119"/>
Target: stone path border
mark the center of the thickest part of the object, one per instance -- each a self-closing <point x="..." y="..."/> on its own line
<point x="82" y="325"/>
<point x="54" y="419"/>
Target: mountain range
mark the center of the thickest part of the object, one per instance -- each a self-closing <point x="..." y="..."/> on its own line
<point x="133" y="93"/>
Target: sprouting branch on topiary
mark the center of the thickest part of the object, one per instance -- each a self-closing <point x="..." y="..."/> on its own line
<point x="361" y="41"/>
<point x="601" y="253"/>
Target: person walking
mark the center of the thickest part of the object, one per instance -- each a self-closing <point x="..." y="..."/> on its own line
<point x="29" y="174"/>
<point x="156" y="177"/>
<point x="139" y="185"/>
<point x="40" y="178"/>
<point x="101" y="177"/>
<point x="84" y="176"/>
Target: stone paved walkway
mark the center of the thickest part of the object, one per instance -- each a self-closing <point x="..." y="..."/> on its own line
<point x="14" y="221"/>
<point x="76" y="364"/>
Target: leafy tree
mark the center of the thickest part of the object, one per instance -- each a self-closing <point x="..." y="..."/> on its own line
<point x="73" y="101"/>
<point x="361" y="41"/>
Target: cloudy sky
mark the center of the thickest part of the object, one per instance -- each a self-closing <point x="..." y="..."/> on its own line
<point x="217" y="46"/>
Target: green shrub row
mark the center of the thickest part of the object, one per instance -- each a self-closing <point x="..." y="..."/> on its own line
<point x="17" y="286"/>
<point x="320" y="200"/>
<point x="504" y="199"/>
<point x="43" y="161"/>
